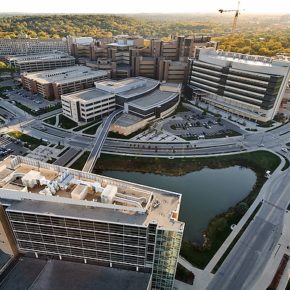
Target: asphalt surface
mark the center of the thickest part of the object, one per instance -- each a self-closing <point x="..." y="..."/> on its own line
<point x="249" y="256"/>
<point x="100" y="139"/>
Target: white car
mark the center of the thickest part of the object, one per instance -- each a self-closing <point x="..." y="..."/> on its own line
<point x="284" y="149"/>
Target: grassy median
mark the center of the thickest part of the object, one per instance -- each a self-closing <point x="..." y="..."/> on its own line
<point x="28" y="141"/>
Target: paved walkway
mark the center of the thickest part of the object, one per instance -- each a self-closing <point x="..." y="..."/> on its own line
<point x="203" y="277"/>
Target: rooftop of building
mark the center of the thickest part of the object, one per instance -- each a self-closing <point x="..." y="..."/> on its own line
<point x="87" y="95"/>
<point x="254" y="60"/>
<point x="50" y="189"/>
<point x="65" y="74"/>
<point x="147" y="86"/>
<point x="35" y="274"/>
<point x="153" y="100"/>
<point x="40" y="57"/>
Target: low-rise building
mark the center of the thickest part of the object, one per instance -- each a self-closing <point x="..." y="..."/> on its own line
<point x="54" y="83"/>
<point x="142" y="97"/>
<point x="40" y="62"/>
<point x="52" y="211"/>
<point x="29" y="46"/>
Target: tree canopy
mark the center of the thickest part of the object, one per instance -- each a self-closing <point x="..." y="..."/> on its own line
<point x="264" y="35"/>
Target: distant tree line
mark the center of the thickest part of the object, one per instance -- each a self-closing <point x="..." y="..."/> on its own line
<point x="264" y="35"/>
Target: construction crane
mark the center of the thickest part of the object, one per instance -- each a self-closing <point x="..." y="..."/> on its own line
<point x="237" y="13"/>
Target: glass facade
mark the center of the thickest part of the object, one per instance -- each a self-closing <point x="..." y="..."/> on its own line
<point x="166" y="257"/>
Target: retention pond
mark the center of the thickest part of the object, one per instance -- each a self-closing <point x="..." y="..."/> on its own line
<point x="205" y="192"/>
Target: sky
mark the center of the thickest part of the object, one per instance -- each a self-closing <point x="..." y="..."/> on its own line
<point x="143" y="6"/>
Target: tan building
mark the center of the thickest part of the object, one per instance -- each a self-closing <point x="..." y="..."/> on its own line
<point x="127" y="56"/>
<point x="54" y="83"/>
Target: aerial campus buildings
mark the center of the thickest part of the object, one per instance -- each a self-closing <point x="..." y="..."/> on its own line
<point x="252" y="87"/>
<point x="40" y="62"/>
<point x="249" y="86"/>
<point x="48" y="210"/>
<point x="54" y="83"/>
<point x="141" y="99"/>
<point x="26" y="46"/>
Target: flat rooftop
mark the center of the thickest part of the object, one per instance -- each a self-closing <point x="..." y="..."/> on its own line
<point x="255" y="60"/>
<point x="40" y="57"/>
<point x="66" y="74"/>
<point x="38" y="274"/>
<point x="122" y="83"/>
<point x="88" y="95"/>
<point x="43" y="188"/>
<point x="153" y="100"/>
<point x="148" y="86"/>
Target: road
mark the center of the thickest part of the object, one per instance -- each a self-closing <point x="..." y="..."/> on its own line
<point x="249" y="256"/>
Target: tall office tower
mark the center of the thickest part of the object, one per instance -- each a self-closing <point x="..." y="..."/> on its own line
<point x="52" y="211"/>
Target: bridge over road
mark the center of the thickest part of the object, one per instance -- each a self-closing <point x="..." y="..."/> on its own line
<point x="99" y="141"/>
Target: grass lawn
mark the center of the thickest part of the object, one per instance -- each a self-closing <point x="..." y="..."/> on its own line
<point x="82" y="127"/>
<point x="40" y="111"/>
<point x="219" y="227"/>
<point x="93" y="129"/>
<point x="29" y="141"/>
<point x="184" y="275"/>
<point x="59" y="146"/>
<point x="79" y="163"/>
<point x="66" y="123"/>
<point x="219" y="263"/>
<point x="50" y="121"/>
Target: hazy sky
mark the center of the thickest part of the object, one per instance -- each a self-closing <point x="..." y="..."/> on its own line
<point x="139" y="6"/>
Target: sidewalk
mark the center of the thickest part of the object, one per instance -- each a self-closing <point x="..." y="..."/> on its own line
<point x="203" y="277"/>
<point x="241" y="223"/>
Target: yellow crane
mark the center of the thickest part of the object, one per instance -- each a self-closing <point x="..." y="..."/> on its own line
<point x="237" y="13"/>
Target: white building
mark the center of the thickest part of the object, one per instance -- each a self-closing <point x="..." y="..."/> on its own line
<point x="40" y="62"/>
<point x="246" y="85"/>
<point x="26" y="46"/>
<point x="139" y="96"/>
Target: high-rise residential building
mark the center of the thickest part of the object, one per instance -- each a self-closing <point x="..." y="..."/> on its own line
<point x="54" y="83"/>
<point x="28" y="46"/>
<point x="52" y="211"/>
<point x="246" y="85"/>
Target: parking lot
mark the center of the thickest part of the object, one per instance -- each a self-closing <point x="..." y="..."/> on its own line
<point x="30" y="100"/>
<point x="193" y="125"/>
<point x="6" y="114"/>
<point x="9" y="145"/>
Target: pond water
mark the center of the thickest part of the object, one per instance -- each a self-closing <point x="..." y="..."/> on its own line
<point x="205" y="193"/>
